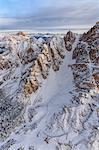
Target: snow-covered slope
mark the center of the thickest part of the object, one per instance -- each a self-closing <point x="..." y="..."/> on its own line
<point x="49" y="92"/>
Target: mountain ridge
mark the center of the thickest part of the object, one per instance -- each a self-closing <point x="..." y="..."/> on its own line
<point x="36" y="77"/>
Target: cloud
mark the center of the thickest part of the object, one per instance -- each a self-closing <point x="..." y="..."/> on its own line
<point x="57" y="14"/>
<point x="66" y="15"/>
<point x="8" y="21"/>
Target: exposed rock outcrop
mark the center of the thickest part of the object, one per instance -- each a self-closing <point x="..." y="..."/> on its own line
<point x="69" y="40"/>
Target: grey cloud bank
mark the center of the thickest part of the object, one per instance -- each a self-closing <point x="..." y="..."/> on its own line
<point x="62" y="14"/>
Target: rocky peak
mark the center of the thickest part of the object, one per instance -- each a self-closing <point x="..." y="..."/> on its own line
<point x="87" y="52"/>
<point x="69" y="40"/>
<point x="92" y="34"/>
<point x="21" y="33"/>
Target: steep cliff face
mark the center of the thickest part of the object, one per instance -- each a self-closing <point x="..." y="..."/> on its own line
<point x="52" y="55"/>
<point x="49" y="91"/>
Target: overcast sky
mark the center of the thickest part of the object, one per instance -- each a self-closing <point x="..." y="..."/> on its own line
<point x="16" y="14"/>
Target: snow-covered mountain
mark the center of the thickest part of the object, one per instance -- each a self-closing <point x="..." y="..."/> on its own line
<point x="49" y="91"/>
